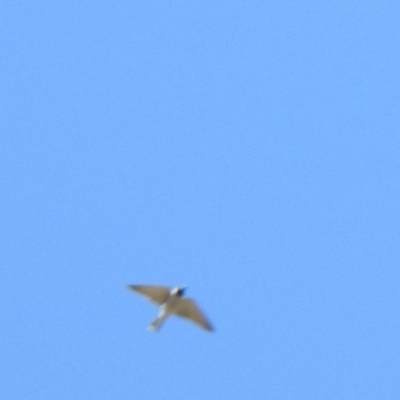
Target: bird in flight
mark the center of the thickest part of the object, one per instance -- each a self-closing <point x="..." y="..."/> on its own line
<point x="172" y="302"/>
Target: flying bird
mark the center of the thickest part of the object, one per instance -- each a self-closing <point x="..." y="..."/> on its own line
<point x="171" y="302"/>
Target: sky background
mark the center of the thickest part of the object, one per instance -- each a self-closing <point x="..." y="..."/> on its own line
<point x="248" y="150"/>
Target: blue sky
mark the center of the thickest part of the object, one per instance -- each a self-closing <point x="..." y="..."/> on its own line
<point x="248" y="150"/>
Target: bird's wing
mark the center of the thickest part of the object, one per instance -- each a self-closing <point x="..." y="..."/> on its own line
<point x="156" y="294"/>
<point x="187" y="308"/>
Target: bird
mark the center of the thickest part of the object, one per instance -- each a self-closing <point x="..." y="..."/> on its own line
<point x="172" y="302"/>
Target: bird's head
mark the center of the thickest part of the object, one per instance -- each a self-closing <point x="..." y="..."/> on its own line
<point x="179" y="291"/>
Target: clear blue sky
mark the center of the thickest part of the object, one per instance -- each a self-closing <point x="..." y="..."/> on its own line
<point x="248" y="150"/>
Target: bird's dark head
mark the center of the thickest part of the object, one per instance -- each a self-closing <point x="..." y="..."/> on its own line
<point x="180" y="291"/>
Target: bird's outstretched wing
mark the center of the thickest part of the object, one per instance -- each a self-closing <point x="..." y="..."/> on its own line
<point x="156" y="294"/>
<point x="187" y="308"/>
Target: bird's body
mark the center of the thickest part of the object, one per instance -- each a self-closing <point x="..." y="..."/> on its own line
<point x="171" y="302"/>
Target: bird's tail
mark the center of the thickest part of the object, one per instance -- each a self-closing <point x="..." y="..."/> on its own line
<point x="156" y="324"/>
